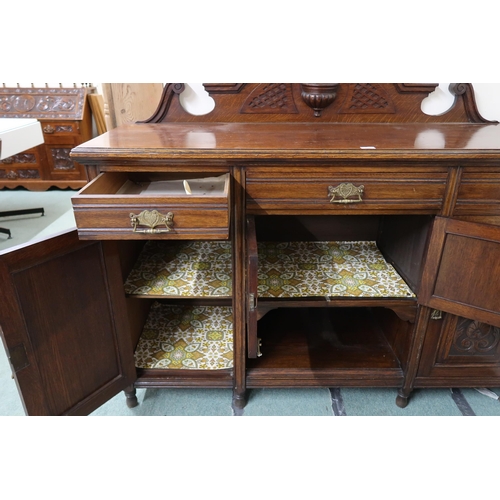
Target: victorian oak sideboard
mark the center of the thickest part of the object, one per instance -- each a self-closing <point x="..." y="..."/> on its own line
<point x="299" y="235"/>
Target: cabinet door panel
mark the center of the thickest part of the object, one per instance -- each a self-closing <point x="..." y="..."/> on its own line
<point x="458" y="348"/>
<point x="62" y="319"/>
<point x="462" y="270"/>
<point x="252" y="269"/>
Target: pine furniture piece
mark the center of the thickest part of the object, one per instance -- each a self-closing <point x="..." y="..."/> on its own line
<point x="129" y="102"/>
<point x="66" y="121"/>
<point x="299" y="235"/>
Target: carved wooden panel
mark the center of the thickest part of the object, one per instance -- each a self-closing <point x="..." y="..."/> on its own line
<point x="42" y="103"/>
<point x="473" y="338"/>
<point x="66" y="122"/>
<point x="270" y="98"/>
<point x="61" y="159"/>
<point x="318" y="96"/>
<point x="367" y="98"/>
<point x="460" y="348"/>
<point x="19" y="173"/>
<point x="20" y="158"/>
<point x="345" y="103"/>
<point x="25" y="165"/>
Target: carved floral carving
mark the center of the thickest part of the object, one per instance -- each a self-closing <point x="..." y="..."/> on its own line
<point x="19" y="174"/>
<point x="20" y="158"/>
<point x="474" y="337"/>
<point x="62" y="160"/>
<point x="52" y="103"/>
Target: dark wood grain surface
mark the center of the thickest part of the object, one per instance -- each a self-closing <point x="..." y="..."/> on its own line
<point x="232" y="141"/>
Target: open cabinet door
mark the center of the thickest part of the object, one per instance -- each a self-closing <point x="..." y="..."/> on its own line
<point x="63" y="323"/>
<point x="251" y="308"/>
<point x="462" y="270"/>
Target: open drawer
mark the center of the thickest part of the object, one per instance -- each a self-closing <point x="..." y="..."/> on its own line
<point x="126" y="205"/>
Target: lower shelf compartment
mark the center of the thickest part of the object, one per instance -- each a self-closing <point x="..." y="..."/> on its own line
<point x="186" y="337"/>
<point x="324" y="347"/>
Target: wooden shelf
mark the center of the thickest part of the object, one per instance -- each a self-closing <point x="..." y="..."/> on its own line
<point x="323" y="347"/>
<point x="186" y="337"/>
<point x="326" y="269"/>
<point x="196" y="269"/>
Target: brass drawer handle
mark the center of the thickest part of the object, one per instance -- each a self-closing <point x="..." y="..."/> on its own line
<point x="49" y="129"/>
<point x="345" y="192"/>
<point x="436" y="314"/>
<point x="151" y="219"/>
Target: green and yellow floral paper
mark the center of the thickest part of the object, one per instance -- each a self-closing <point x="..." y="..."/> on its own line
<point x="327" y="268"/>
<point x="182" y="269"/>
<point x="186" y="337"/>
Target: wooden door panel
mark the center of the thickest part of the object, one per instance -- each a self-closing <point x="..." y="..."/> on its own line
<point x="251" y="308"/>
<point x="461" y="274"/>
<point x="461" y="348"/>
<point x="62" y="317"/>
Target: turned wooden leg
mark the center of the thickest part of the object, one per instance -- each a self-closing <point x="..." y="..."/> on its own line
<point x="131" y="398"/>
<point x="239" y="399"/>
<point x="402" y="398"/>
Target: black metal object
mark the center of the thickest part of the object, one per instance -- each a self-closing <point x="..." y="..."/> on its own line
<point x="14" y="213"/>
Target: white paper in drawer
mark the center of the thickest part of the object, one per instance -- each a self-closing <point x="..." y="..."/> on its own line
<point x="207" y="186"/>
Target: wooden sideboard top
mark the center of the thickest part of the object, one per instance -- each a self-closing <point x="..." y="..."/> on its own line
<point x="323" y="141"/>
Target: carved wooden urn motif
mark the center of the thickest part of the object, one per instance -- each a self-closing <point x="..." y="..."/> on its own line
<point x="319" y="96"/>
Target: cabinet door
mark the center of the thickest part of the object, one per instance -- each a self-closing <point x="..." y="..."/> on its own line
<point x="461" y="279"/>
<point x="63" y="323"/>
<point x="461" y="274"/>
<point x="460" y="352"/>
<point x="251" y="308"/>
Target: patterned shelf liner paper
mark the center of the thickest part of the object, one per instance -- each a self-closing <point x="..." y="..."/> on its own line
<point x="286" y="270"/>
<point x="182" y="269"/>
<point x="327" y="269"/>
<point x="186" y="337"/>
<point x="201" y="337"/>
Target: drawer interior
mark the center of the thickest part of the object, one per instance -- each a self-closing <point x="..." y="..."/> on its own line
<point x="159" y="184"/>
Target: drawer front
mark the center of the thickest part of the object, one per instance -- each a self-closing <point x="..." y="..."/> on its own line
<point x="25" y="165"/>
<point x="479" y="192"/>
<point x="324" y="190"/>
<point x="159" y="216"/>
<point x="29" y="158"/>
<point x="60" y="132"/>
<point x="158" y="221"/>
<point x="9" y="173"/>
<point x="60" y="164"/>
